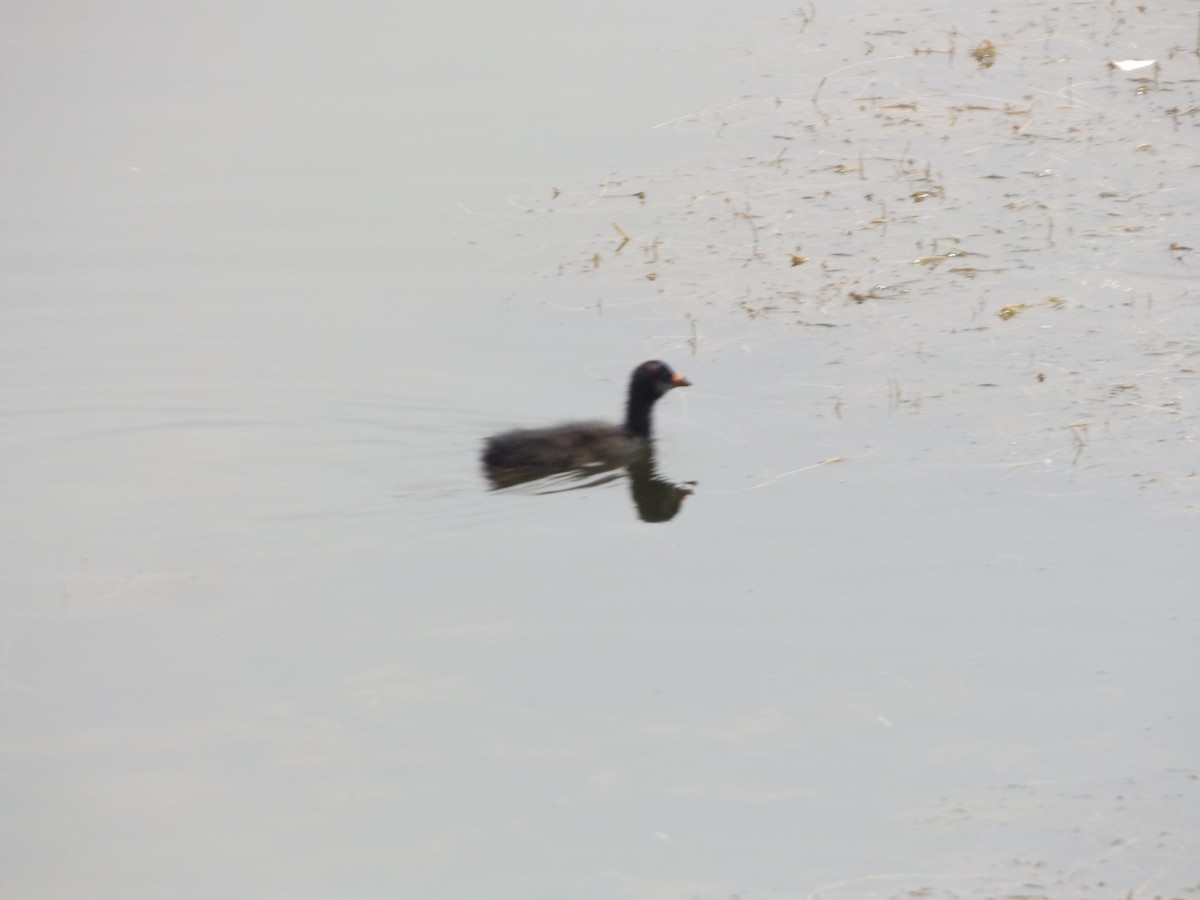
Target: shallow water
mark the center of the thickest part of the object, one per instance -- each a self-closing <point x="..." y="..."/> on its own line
<point x="927" y="623"/>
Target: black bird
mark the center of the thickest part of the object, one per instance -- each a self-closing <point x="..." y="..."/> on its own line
<point x="577" y="445"/>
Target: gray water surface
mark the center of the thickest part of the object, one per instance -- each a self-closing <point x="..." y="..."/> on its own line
<point x="926" y="626"/>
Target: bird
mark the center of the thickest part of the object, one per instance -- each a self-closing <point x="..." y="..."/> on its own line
<point x="578" y="445"/>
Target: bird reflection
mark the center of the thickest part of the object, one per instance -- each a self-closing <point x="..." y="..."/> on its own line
<point x="655" y="498"/>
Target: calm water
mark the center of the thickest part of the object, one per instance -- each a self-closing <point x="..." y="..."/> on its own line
<point x="926" y="626"/>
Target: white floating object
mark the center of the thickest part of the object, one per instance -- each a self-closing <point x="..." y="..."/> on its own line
<point x="1132" y="65"/>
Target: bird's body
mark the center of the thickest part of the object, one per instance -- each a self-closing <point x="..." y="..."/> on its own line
<point x="574" y="445"/>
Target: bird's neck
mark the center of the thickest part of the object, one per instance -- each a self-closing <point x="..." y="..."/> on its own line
<point x="637" y="415"/>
